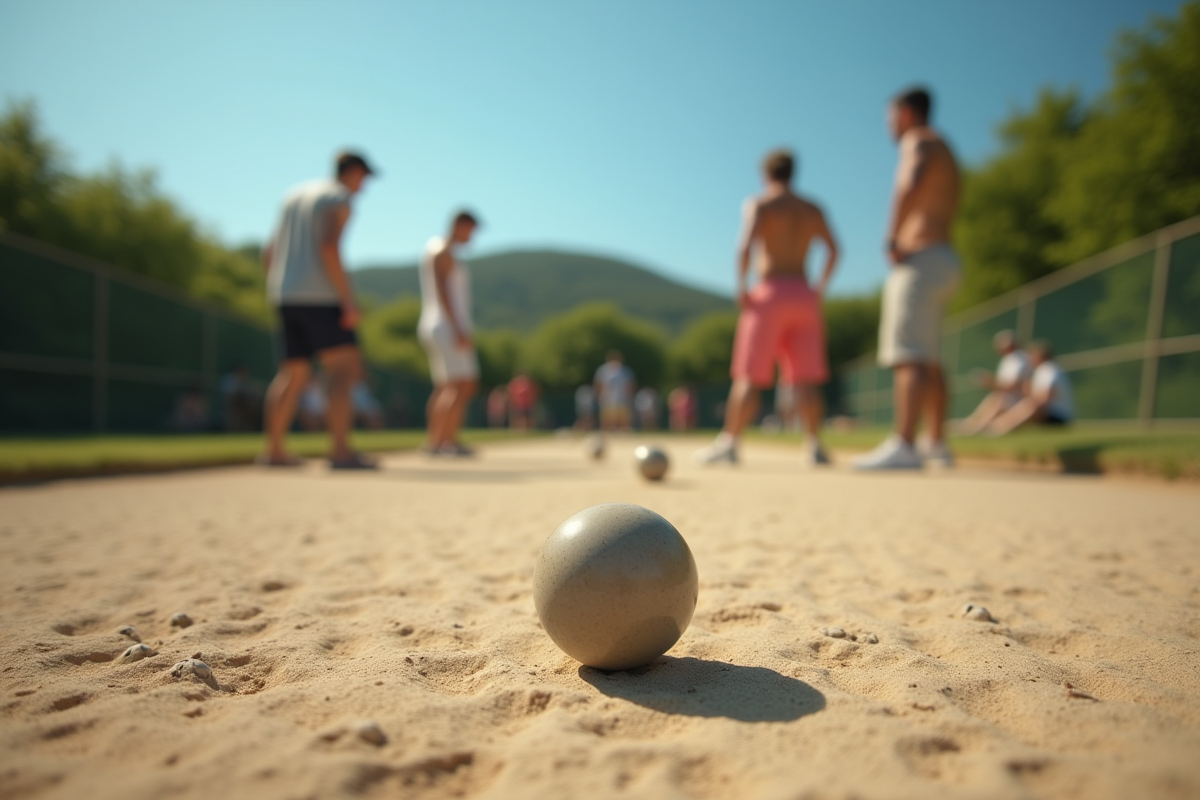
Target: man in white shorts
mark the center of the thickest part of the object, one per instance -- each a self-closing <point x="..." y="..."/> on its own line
<point x="1006" y="387"/>
<point x="615" y="384"/>
<point x="1049" y="401"/>
<point x="924" y="274"/>
<point x="445" y="332"/>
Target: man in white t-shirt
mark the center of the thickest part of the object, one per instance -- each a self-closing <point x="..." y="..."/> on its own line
<point x="615" y="385"/>
<point x="1007" y="385"/>
<point x="445" y="331"/>
<point x="1049" y="399"/>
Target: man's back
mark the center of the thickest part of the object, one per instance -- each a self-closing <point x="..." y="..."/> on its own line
<point x="784" y="228"/>
<point x="928" y="162"/>
<point x="297" y="274"/>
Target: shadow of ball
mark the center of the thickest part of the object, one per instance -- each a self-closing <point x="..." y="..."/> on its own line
<point x="615" y="586"/>
<point x="651" y="462"/>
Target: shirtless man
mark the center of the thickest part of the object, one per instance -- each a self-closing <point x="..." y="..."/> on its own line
<point x="781" y="316"/>
<point x="445" y="331"/>
<point x="924" y="274"/>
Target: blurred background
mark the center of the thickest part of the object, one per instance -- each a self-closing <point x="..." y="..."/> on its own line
<point x="145" y="148"/>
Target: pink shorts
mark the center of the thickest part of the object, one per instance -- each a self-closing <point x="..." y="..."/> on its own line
<point x="782" y="325"/>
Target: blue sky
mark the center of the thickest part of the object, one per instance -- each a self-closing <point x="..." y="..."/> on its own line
<point x="625" y="127"/>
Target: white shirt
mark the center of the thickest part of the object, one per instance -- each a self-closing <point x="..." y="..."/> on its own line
<point x="1013" y="371"/>
<point x="616" y="383"/>
<point x="1052" y="377"/>
<point x="458" y="289"/>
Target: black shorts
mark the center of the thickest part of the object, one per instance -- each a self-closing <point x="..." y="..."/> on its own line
<point x="307" y="330"/>
<point x="1054" y="419"/>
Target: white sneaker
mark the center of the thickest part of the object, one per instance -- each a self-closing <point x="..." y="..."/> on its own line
<point x="717" y="453"/>
<point x="937" y="454"/>
<point x="893" y="453"/>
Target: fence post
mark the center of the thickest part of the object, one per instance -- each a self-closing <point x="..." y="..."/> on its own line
<point x="1026" y="306"/>
<point x="1154" y="323"/>
<point x="100" y="353"/>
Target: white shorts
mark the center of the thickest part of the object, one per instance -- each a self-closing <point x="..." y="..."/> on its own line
<point x="447" y="361"/>
<point x="914" y="302"/>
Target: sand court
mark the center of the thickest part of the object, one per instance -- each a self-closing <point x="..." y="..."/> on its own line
<point x="374" y="635"/>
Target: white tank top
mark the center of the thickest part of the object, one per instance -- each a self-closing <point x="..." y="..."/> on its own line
<point x="458" y="286"/>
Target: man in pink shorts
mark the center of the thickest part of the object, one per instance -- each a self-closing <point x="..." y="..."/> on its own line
<point x="781" y="319"/>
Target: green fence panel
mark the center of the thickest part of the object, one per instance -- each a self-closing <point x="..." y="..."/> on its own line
<point x="136" y="406"/>
<point x="1102" y="310"/>
<point x="1108" y="392"/>
<point x="34" y="402"/>
<point x="46" y="308"/>
<point x="149" y="330"/>
<point x="242" y="344"/>
<point x="1181" y="315"/>
<point x="1178" y="394"/>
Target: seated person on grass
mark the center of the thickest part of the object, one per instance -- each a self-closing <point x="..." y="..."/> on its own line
<point x="1006" y="387"/>
<point x="1048" y="401"/>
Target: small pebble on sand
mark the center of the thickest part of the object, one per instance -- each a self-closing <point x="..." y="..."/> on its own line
<point x="978" y="613"/>
<point x="369" y="731"/>
<point x="180" y="620"/>
<point x="136" y="653"/>
<point x="129" y="632"/>
<point x="196" y="668"/>
<point x="834" y="633"/>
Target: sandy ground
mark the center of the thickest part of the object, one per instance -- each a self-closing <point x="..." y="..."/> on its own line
<point x="321" y="600"/>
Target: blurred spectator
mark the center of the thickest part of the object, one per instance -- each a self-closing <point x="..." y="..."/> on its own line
<point x="1048" y="401"/>
<point x="241" y="404"/>
<point x="1006" y="387"/>
<point x="522" y="399"/>
<point x="786" y="407"/>
<point x="367" y="411"/>
<point x="681" y="404"/>
<point x="585" y="407"/>
<point x="191" y="411"/>
<point x="313" y="405"/>
<point x="615" y="384"/>
<point x="497" y="407"/>
<point x="646" y="404"/>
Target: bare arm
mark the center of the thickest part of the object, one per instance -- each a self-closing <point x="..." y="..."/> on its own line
<point x="831" y="253"/>
<point x="331" y="259"/>
<point x="750" y="220"/>
<point x="914" y="164"/>
<point x="443" y="263"/>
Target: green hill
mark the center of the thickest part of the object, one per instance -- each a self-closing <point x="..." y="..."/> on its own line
<point x="520" y="289"/>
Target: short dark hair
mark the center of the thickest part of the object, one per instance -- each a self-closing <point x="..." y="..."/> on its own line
<point x="463" y="215"/>
<point x="918" y="99"/>
<point x="348" y="159"/>
<point x="778" y="165"/>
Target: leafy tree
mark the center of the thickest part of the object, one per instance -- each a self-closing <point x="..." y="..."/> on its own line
<point x="499" y="356"/>
<point x="702" y="352"/>
<point x="565" y="351"/>
<point x="389" y="337"/>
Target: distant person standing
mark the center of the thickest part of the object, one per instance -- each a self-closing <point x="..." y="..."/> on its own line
<point x="585" y="407"/>
<point x="781" y="321"/>
<point x="681" y="406"/>
<point x="445" y="331"/>
<point x="924" y="275"/>
<point x="308" y="285"/>
<point x="615" y="384"/>
<point x="646" y="404"/>
<point x="1006" y="387"/>
<point x="522" y="400"/>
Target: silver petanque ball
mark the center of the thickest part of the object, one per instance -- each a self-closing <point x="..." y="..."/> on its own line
<point x="651" y="462"/>
<point x="615" y="586"/>
<point x="594" y="446"/>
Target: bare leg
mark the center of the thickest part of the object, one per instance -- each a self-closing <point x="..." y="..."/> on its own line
<point x="989" y="408"/>
<point x="280" y="407"/>
<point x="907" y="392"/>
<point x="1024" y="411"/>
<point x="433" y="416"/>
<point x="343" y="366"/>
<point x="936" y="399"/>
<point x="462" y="392"/>
<point x="741" y="407"/>
<point x="811" y="408"/>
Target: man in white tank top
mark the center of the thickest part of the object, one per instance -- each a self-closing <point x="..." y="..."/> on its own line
<point x="445" y="332"/>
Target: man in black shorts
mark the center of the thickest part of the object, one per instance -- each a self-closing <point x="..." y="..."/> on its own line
<point x="306" y="282"/>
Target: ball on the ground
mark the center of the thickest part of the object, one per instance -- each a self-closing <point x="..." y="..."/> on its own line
<point x="651" y="462"/>
<point x="594" y="446"/>
<point x="615" y="586"/>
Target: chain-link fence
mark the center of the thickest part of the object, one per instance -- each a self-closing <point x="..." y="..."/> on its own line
<point x="85" y="347"/>
<point x="1124" y="324"/>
